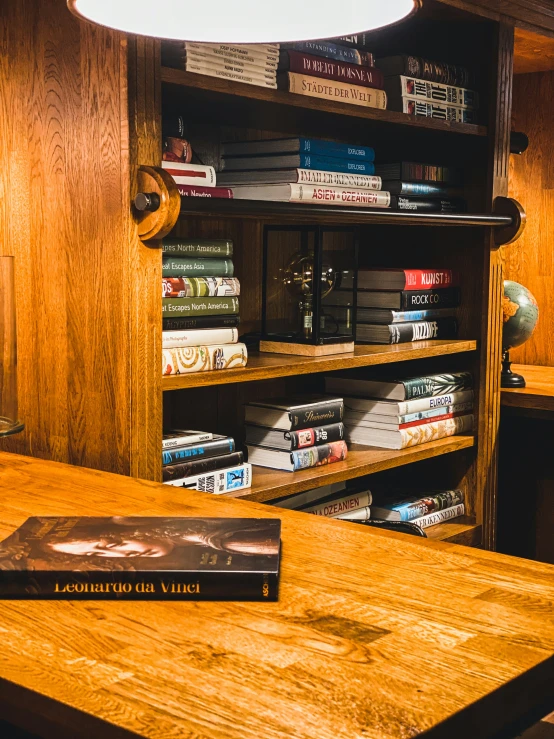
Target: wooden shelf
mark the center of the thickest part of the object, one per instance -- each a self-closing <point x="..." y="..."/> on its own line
<point x="270" y="484"/>
<point x="330" y="214"/>
<point x="262" y="103"/>
<point x="267" y="366"/>
<point x="462" y="530"/>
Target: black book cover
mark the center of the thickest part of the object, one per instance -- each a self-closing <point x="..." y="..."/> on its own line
<point x="201" y="466"/>
<point x="420" y="189"/>
<point x="401" y="333"/>
<point x="418" y="172"/>
<point x="185" y="324"/>
<point x="320" y="412"/>
<point x="315" y="436"/>
<point x="446" y="297"/>
<point x="216" y="447"/>
<point x="142" y="558"/>
<point x="428" y="205"/>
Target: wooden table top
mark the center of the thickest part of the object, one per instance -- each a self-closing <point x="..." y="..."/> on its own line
<point x="538" y="395"/>
<point x="375" y="635"/>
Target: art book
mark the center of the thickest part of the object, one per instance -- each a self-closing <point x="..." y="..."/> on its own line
<point x="142" y="558"/>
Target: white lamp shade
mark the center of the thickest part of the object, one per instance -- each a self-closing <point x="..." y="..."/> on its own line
<point x="243" y="21"/>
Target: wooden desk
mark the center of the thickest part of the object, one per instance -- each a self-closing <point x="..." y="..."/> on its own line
<point x="538" y="395"/>
<point x="375" y="635"/>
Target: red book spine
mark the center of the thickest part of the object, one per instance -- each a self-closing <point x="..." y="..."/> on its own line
<point x="429" y="279"/>
<point x="318" y="66"/>
<point x="194" y="191"/>
<point x="423" y="421"/>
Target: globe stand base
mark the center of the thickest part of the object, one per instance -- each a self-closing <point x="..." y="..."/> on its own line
<point x="509" y="378"/>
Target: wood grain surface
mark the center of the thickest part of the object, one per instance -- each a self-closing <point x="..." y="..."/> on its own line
<point x="538" y="394"/>
<point x="533" y="52"/>
<point x="375" y="635"/>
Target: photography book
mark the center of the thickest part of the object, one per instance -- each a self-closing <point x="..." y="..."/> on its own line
<point x="142" y="558"/>
<point x="323" y="194"/>
<point x="215" y="446"/>
<point x="426" y="69"/>
<point x="302" y="145"/>
<point x="410" y="388"/>
<point x="302" y="177"/>
<point x="316" y="66"/>
<point x="291" y="414"/>
<point x="218" y="482"/>
<point x="198" y="247"/>
<point x="406" y="279"/>
<point x="292" y="440"/>
<point x="300" y="161"/>
<point x="314" y="456"/>
<point x="409" y="437"/>
<point x="199" y="466"/>
<point x="401" y="333"/>
<point x="415" y="506"/>
<point x="391" y="408"/>
<point x="405" y="300"/>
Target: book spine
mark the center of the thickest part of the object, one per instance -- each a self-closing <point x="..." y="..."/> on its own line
<point x="318" y="147"/>
<point x="315" y="436"/>
<point x="435" y="401"/>
<point x="369" y="97"/>
<point x="408" y="316"/>
<point x="444" y="412"/>
<point x="330" y="50"/>
<point x="265" y="51"/>
<point x="442" y="328"/>
<point x="339" y="196"/>
<point x="432" y="205"/>
<point x="362" y="514"/>
<point x="334" y="508"/>
<point x="442" y="416"/>
<point x="449" y="74"/>
<point x="432" y="92"/>
<point x="219" y="481"/>
<point x="178" y="441"/>
<point x="331" y="164"/>
<point x="201" y="466"/>
<point x="439" y="516"/>
<point x="203" y="358"/>
<point x="435" y="430"/>
<point x="428" y="504"/>
<point x="358" y="41"/>
<point x="296" y="61"/>
<point x="430" y="173"/>
<point x="427" y="279"/>
<point x="202" y="450"/>
<point x="324" y="414"/>
<point x="445" y="384"/>
<point x="199" y="337"/>
<point x="182" y="267"/>
<point x="199" y="306"/>
<point x="340" y="179"/>
<point x="214" y="57"/>
<point x="190" y="174"/>
<point x="139" y="585"/>
<point x="269" y="60"/>
<point x="229" y="65"/>
<point x="198" y="248"/>
<point x="419" y="189"/>
<point x="448" y="297"/>
<point x="224" y="74"/>
<point x="196" y="287"/>
<point x="200" y="322"/>
<point x="317" y="456"/>
<point x="193" y="191"/>
<point x="441" y="111"/>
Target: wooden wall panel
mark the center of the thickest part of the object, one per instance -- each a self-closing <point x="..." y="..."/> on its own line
<point x="64" y="205"/>
<point x="530" y="260"/>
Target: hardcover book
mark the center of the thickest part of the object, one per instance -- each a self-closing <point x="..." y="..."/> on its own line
<point x="406" y="509"/>
<point x="201" y="466"/>
<point x="141" y="558"/>
<point x="199" y="60"/>
<point x="175" y="51"/>
<point x="441" y="111"/>
<point x="178" y="266"/>
<point x="199" y="306"/>
<point x="420" y="189"/>
<point x="400" y="333"/>
<point x="291" y="414"/>
<point x="431" y="519"/>
<point x="184" y="322"/>
<point x="184" y="437"/>
<point x="301" y="176"/>
<point x="419" y="172"/>
<point x="292" y="440"/>
<point x="199" y="337"/>
<point x="218" y="482"/>
<point x="343" y="92"/>
<point x="194" y="191"/>
<point x="314" y="456"/>
<point x="406" y="279"/>
<point x="302" y="145"/>
<point x="203" y="358"/>
<point x="410" y="388"/>
<point x="357" y="74"/>
<point x="212" y="71"/>
<point x="409" y="437"/>
<point x="216" y="446"/>
<point x="406" y="300"/>
<point x="337" y="504"/>
<point x="190" y="174"/>
<point x="384" y="315"/>
<point x="331" y="50"/>
<point x="329" y="195"/>
<point x="412" y="87"/>
<point x="198" y="247"/>
<point x="391" y="408"/>
<point x="374" y="420"/>
<point x="210" y="54"/>
<point x="194" y="287"/>
<point x="415" y="66"/>
<point x="429" y="205"/>
<point x="301" y="161"/>
<point x="295" y="502"/>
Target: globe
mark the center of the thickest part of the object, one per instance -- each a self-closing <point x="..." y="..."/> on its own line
<point x="520" y="314"/>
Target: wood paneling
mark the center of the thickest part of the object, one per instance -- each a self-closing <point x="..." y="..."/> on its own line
<point x="533" y="52"/>
<point x="371" y="632"/>
<point x="530" y="260"/>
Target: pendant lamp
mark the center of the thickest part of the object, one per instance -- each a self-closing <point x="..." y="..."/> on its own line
<point x="243" y="21"/>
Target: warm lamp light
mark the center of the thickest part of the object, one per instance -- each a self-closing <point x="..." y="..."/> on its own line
<point x="243" y="21"/>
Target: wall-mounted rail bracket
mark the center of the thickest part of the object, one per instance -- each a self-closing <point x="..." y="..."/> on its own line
<point x="157" y="204"/>
<point x="508" y="207"/>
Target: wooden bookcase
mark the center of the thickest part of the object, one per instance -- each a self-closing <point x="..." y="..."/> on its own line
<point x="88" y="295"/>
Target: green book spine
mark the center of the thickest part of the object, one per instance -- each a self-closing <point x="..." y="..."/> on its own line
<point x="196" y="267"/>
<point x="176" y="307"/>
<point x="198" y="247"/>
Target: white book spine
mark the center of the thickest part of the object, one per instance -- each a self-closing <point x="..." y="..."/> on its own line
<point x="254" y="65"/>
<point x="437" y="92"/>
<point x="439" y="516"/>
<point x="341" y="92"/>
<point x="362" y="514"/>
<point x="191" y="174"/>
<point x="224" y="74"/>
<point x="199" y="337"/>
<point x="188" y="440"/>
<point x="346" y="196"/>
<point x="409" y="406"/>
<point x="230" y="66"/>
<point x="442" y="112"/>
<point x="340" y="179"/>
<point x="415" y="435"/>
<point x="267" y="51"/>
<point x="218" y="482"/>
<point x="348" y="503"/>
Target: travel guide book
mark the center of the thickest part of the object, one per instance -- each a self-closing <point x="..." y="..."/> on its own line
<point x="142" y="558"/>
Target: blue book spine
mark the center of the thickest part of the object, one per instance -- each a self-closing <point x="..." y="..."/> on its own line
<point x="317" y="147"/>
<point x="408" y="316"/>
<point x="329" y="50"/>
<point x="174" y="456"/>
<point x="334" y="164"/>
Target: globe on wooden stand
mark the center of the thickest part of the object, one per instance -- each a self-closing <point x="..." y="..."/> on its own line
<point x="520" y="314"/>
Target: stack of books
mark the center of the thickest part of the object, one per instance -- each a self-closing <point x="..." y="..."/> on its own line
<point x="200" y="307"/>
<point x="203" y="461"/>
<point x="302" y="170"/>
<point x="192" y="180"/>
<point x="340" y="500"/>
<point x="397" y="414"/>
<point x="422" y="188"/>
<point x="342" y="72"/>
<point x="395" y="306"/>
<point x="432" y="89"/>
<point x="254" y="64"/>
<point x="295" y="433"/>
<point x="424" y="509"/>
